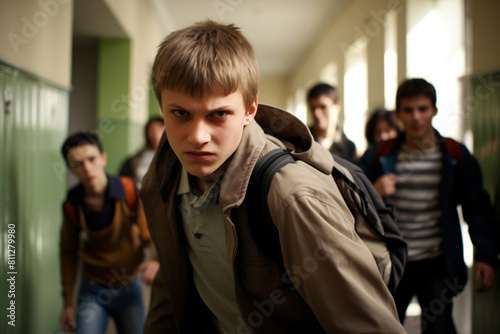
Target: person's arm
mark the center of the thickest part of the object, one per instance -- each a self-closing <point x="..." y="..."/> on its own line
<point x="487" y="273"/>
<point x="149" y="270"/>
<point x="385" y="185"/>
<point x="68" y="319"/>
<point x="150" y="267"/>
<point x="332" y="268"/>
<point x="69" y="265"/>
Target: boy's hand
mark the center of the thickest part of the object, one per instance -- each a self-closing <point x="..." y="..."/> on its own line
<point x="386" y="185"/>
<point x="488" y="273"/>
<point x="149" y="268"/>
<point x="68" y="319"/>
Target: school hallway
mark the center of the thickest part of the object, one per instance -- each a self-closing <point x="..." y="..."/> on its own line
<point x="70" y="65"/>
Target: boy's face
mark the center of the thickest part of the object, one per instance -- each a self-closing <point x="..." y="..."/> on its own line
<point x="325" y="112"/>
<point x="384" y="131"/>
<point x="205" y="131"/>
<point x="87" y="163"/>
<point x="416" y="113"/>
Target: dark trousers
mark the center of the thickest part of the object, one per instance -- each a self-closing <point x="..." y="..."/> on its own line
<point x="427" y="280"/>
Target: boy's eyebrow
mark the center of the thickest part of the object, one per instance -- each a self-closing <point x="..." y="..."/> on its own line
<point x="222" y="107"/>
<point x="173" y="105"/>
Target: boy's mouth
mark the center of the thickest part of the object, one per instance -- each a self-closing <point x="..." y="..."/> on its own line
<point x="199" y="155"/>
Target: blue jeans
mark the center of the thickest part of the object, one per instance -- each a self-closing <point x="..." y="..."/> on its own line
<point x="96" y="303"/>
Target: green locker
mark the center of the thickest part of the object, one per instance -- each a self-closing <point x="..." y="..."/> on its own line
<point x="33" y="124"/>
<point x="484" y="105"/>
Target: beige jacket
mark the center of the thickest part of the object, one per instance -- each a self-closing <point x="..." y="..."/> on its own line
<point x="336" y="286"/>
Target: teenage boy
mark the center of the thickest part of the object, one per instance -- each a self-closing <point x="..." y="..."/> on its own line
<point x="99" y="213"/>
<point x="213" y="278"/>
<point x="425" y="176"/>
<point x="325" y="108"/>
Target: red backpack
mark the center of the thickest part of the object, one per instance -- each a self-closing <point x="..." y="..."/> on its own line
<point x="385" y="147"/>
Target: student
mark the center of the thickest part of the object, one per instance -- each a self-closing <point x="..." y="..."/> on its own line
<point x="212" y="277"/>
<point x="99" y="211"/>
<point x="325" y="108"/>
<point x="381" y="125"/>
<point x="425" y="176"/>
<point x="137" y="165"/>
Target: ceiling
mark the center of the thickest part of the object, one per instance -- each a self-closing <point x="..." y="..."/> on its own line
<point x="281" y="31"/>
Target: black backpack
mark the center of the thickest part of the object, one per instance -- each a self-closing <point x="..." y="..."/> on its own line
<point x="374" y="220"/>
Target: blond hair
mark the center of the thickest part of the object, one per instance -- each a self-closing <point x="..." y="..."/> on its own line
<point x="204" y="58"/>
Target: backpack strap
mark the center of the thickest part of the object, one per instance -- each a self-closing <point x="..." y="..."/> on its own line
<point x="454" y="149"/>
<point x="130" y="193"/>
<point x="263" y="230"/>
<point x="71" y="213"/>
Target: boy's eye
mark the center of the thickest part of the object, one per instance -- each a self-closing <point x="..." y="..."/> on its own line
<point x="75" y="164"/>
<point x="91" y="159"/>
<point x="180" y="113"/>
<point x="220" y="113"/>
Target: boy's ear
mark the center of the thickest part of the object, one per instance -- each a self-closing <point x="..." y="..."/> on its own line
<point x="251" y="112"/>
<point x="104" y="158"/>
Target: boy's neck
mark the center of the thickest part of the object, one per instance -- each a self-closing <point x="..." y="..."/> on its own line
<point x="96" y="189"/>
<point x="427" y="143"/>
<point x="325" y="133"/>
<point x="204" y="183"/>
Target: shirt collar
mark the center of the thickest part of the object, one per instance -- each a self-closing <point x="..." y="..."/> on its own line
<point x="115" y="188"/>
<point x="187" y="185"/>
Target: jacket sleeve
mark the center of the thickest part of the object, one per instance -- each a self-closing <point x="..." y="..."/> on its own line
<point x="477" y="210"/>
<point x="160" y="314"/>
<point x="331" y="267"/>
<point x="68" y="251"/>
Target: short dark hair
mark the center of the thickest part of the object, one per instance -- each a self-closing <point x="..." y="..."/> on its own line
<point x="323" y="89"/>
<point x="79" y="139"/>
<point x="379" y="114"/>
<point x="155" y="119"/>
<point x="414" y="87"/>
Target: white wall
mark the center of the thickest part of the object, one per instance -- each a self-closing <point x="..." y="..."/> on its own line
<point x="36" y="37"/>
<point x="273" y="91"/>
<point x="143" y="28"/>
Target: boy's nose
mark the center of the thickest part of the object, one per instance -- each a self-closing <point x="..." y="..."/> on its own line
<point x="86" y="165"/>
<point x="200" y="134"/>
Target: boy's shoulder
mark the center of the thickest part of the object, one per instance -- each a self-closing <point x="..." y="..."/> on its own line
<point x="75" y="194"/>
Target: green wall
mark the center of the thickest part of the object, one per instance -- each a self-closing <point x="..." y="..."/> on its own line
<point x="33" y="124"/>
<point x="113" y="100"/>
<point x="484" y="110"/>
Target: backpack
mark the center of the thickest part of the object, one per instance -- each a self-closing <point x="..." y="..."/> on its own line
<point x="374" y="221"/>
<point x="130" y="194"/>
<point x="385" y="147"/>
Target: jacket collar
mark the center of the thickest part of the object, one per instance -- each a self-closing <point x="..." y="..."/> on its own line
<point x="400" y="140"/>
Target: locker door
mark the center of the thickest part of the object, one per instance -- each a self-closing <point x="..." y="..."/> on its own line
<point x="33" y="124"/>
